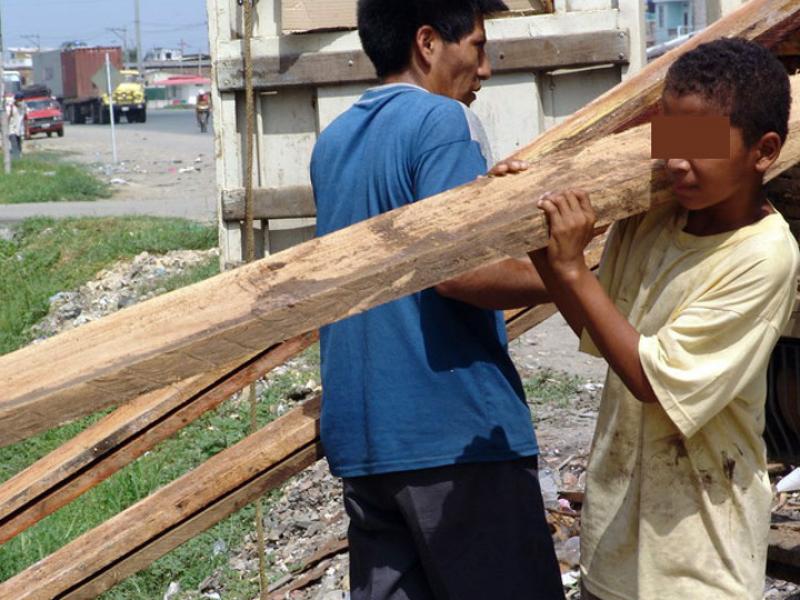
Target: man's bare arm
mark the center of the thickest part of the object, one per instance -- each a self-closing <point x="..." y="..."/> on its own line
<point x="511" y="283"/>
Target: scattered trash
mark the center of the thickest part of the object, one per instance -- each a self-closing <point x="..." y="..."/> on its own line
<point x="569" y="579"/>
<point x="790" y="483"/>
<point x="172" y="591"/>
<point x="118" y="181"/>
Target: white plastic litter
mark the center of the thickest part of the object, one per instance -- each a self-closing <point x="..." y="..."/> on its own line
<point x="790" y="483"/>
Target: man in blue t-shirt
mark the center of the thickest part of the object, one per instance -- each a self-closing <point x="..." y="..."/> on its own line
<point x="424" y="415"/>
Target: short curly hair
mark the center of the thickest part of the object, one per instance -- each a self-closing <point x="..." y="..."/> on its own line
<point x="741" y="78"/>
<point x="387" y="27"/>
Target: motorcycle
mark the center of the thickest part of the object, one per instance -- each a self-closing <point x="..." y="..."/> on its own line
<point x="203" y="116"/>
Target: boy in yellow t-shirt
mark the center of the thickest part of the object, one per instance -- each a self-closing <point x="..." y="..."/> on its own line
<point x="691" y="300"/>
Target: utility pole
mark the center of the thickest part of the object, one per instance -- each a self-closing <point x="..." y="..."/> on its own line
<point x="139" y="57"/>
<point x="122" y="34"/>
<point x="3" y="115"/>
<point x="34" y="38"/>
<point x="111" y="119"/>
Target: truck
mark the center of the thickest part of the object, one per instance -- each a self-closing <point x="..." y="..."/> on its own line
<point x="42" y="112"/>
<point x="69" y="72"/>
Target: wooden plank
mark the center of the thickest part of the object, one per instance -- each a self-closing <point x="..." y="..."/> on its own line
<point x="353" y="66"/>
<point x="271" y="203"/>
<point x="170" y="536"/>
<point x="197" y="524"/>
<point x="236" y="314"/>
<point x="218" y="321"/>
<point x="115" y="441"/>
<point x="104" y="448"/>
<point x="783" y="556"/>
<point x="133" y="538"/>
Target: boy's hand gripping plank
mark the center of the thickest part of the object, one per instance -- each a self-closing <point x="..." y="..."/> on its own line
<point x="579" y="295"/>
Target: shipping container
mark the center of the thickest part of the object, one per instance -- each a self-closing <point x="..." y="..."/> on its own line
<point x="47" y="71"/>
<point x="79" y="65"/>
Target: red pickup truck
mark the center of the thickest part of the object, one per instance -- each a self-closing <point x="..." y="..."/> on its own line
<point x="43" y="115"/>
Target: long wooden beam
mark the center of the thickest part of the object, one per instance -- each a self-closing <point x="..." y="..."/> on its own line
<point x="135" y="537"/>
<point x="237" y="314"/>
<point x="233" y="316"/>
<point x="175" y="513"/>
<point x="118" y="439"/>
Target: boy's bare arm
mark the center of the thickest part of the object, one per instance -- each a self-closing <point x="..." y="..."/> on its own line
<point x="579" y="295"/>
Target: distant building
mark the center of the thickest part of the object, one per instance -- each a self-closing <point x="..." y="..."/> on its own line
<point x="668" y="19"/>
<point x="163" y="55"/>
<point x="177" y="90"/>
<point x="20" y="60"/>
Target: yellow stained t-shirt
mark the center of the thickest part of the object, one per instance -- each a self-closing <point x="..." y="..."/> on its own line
<point x="677" y="493"/>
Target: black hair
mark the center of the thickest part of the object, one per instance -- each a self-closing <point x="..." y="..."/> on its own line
<point x="743" y="79"/>
<point x="388" y="27"/>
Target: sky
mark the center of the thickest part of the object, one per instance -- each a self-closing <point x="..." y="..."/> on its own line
<point x="165" y="23"/>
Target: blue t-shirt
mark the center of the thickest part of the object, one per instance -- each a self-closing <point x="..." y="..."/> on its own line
<point x="423" y="381"/>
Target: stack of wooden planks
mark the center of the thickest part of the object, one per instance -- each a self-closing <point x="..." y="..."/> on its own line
<point x="177" y="356"/>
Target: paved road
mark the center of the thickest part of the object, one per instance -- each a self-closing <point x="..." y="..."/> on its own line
<point x="167" y="121"/>
<point x="166" y="164"/>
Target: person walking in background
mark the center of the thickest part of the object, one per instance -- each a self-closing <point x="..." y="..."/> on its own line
<point x="16" y="126"/>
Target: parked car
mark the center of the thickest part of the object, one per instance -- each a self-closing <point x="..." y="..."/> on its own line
<point x="43" y="115"/>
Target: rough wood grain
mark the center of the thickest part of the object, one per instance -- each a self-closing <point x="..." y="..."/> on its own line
<point x="139" y="535"/>
<point x="224" y="319"/>
<point x="236" y="314"/>
<point x="175" y="513"/>
<point x="113" y="442"/>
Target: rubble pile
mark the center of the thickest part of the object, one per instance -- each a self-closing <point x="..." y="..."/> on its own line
<point x="115" y="288"/>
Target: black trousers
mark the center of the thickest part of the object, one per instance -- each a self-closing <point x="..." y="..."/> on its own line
<point x="462" y="532"/>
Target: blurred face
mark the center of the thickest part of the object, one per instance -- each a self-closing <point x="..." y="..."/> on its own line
<point x="700" y="183"/>
<point x="458" y="69"/>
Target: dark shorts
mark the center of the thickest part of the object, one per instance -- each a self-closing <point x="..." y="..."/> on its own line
<point x="462" y="532"/>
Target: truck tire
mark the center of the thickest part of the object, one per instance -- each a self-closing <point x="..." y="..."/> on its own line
<point x="60" y="133"/>
<point x="49" y="134"/>
<point x="131" y="117"/>
<point x="143" y="116"/>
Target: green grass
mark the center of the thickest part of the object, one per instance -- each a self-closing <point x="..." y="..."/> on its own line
<point x="48" y="256"/>
<point x="189" y="564"/>
<point x="44" y="178"/>
<point x="552" y="387"/>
